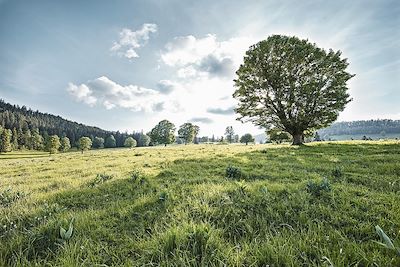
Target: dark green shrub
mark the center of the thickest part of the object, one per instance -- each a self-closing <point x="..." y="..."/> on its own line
<point x="233" y="172"/>
<point x="318" y="188"/>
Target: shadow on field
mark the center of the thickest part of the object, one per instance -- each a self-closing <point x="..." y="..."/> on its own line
<point x="109" y="215"/>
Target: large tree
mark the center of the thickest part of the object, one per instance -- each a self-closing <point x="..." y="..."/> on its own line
<point x="110" y="142"/>
<point x="188" y="132"/>
<point x="130" y="142"/>
<point x="65" y="144"/>
<point x="163" y="133"/>
<point x="291" y="84"/>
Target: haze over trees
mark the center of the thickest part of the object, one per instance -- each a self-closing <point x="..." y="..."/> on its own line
<point x="291" y="84"/>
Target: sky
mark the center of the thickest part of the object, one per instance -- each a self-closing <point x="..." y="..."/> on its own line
<point x="126" y="65"/>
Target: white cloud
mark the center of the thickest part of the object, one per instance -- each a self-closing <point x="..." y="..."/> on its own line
<point x="129" y="41"/>
<point x="110" y="94"/>
<point x="200" y="57"/>
<point x="82" y="93"/>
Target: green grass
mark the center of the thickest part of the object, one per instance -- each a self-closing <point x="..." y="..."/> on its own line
<point x="174" y="206"/>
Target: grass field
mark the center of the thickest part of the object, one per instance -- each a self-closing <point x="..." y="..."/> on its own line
<point x="175" y="206"/>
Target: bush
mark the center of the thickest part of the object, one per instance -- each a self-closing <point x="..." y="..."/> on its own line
<point x="101" y="178"/>
<point x="318" y="188"/>
<point x="233" y="172"/>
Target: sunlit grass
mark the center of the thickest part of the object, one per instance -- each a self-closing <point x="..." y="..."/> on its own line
<point x="175" y="206"/>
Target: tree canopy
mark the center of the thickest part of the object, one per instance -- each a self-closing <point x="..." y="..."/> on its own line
<point x="130" y="142"/>
<point x="247" y="138"/>
<point x="291" y="84"/>
<point x="85" y="143"/>
<point x="163" y="133"/>
<point x="188" y="132"/>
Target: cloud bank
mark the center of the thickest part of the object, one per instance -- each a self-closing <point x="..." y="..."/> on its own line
<point x="130" y="41"/>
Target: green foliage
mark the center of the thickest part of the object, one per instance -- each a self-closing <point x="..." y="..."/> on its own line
<point x="143" y="140"/>
<point x="110" y="142"/>
<point x="130" y="142"/>
<point x="278" y="136"/>
<point x="98" y="142"/>
<point x="247" y="138"/>
<point x="318" y="188"/>
<point x="53" y="144"/>
<point x="233" y="172"/>
<point x="291" y="84"/>
<point x="187" y="132"/>
<point x="6" y="141"/>
<point x="66" y="235"/>
<point x="163" y="133"/>
<point x="85" y="143"/>
<point x="65" y="144"/>
<point x="8" y="197"/>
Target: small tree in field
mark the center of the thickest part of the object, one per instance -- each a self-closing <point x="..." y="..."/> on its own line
<point x="163" y="133"/>
<point x="291" y="84"/>
<point x="53" y="144"/>
<point x="85" y="143"/>
<point x="65" y="144"/>
<point x="229" y="133"/>
<point x="247" y="138"/>
<point x="130" y="142"/>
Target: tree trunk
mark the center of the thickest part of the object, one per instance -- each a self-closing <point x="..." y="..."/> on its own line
<point x="298" y="139"/>
<point x="165" y="145"/>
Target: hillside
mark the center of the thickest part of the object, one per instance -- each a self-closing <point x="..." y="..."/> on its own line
<point x="202" y="205"/>
<point x="23" y="118"/>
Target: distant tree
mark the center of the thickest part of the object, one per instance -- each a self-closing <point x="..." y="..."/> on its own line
<point x="28" y="139"/>
<point x="110" y="142"/>
<point x="6" y="140"/>
<point x="187" y="132"/>
<point x="98" y="142"/>
<point x="247" y="138"/>
<point x="291" y="84"/>
<point x="14" y="142"/>
<point x="130" y="142"/>
<point x="277" y="135"/>
<point x="163" y="133"/>
<point x="229" y="133"/>
<point x="144" y="140"/>
<point x="85" y="143"/>
<point x="236" y="138"/>
<point x="53" y="144"/>
<point x="213" y="139"/>
<point x="65" y="144"/>
<point x="37" y="140"/>
<point x="204" y="139"/>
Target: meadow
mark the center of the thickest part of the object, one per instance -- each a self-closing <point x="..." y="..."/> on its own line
<point x="202" y="205"/>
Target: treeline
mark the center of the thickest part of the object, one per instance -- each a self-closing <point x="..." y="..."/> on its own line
<point x="28" y="129"/>
<point x="362" y="128"/>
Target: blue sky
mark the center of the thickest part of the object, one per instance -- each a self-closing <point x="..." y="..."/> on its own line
<point x="125" y="65"/>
